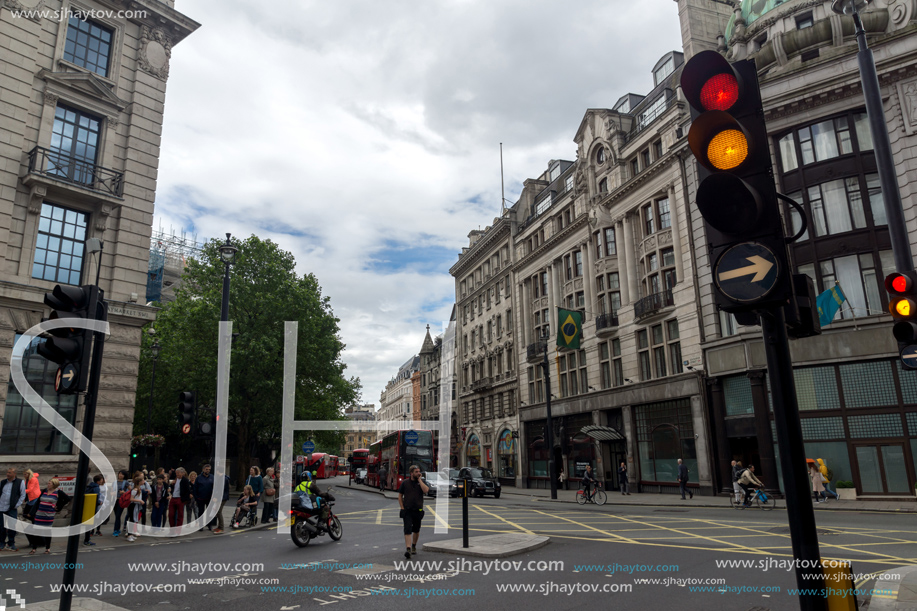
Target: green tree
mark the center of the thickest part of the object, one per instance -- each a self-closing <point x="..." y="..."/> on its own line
<point x="265" y="291"/>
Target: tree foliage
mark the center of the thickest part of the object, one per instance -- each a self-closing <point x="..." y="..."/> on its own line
<point x="265" y="291"/>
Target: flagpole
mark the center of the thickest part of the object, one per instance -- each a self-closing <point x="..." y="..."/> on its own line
<point x="856" y="325"/>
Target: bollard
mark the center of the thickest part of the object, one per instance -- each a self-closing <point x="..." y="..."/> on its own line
<point x="839" y="585"/>
<point x="89" y="507"/>
<point x="465" y="483"/>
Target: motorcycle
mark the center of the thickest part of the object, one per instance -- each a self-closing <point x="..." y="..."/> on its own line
<point x="305" y="526"/>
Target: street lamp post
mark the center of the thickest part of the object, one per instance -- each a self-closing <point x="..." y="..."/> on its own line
<point x="549" y="426"/>
<point x="227" y="253"/>
<point x="149" y="412"/>
<point x="878" y="128"/>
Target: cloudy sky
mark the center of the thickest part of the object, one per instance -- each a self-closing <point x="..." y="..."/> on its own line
<point x="363" y="136"/>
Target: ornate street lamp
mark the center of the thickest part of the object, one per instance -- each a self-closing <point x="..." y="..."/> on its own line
<point x="227" y="253"/>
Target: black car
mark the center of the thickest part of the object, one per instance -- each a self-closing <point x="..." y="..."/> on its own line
<point x="483" y="481"/>
<point x="453" y="485"/>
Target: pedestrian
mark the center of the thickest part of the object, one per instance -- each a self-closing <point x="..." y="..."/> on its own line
<point x="48" y="506"/>
<point x="410" y="499"/>
<point x="181" y="494"/>
<point x="12" y="497"/>
<point x="815" y="477"/>
<point x="136" y="509"/>
<point x="622" y="477"/>
<point x="737" y="471"/>
<point x="191" y="508"/>
<point x="159" y="499"/>
<point x="203" y="492"/>
<point x="269" y="495"/>
<point x="827" y="476"/>
<point x="683" y="480"/>
<point x="219" y="529"/>
<point x="32" y="492"/>
<point x="561" y="478"/>
<point x="383" y="474"/>
<point x="122" y="485"/>
<point x="255" y="481"/>
<point x="94" y="487"/>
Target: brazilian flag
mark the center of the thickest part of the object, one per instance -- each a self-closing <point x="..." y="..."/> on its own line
<point x="571" y="328"/>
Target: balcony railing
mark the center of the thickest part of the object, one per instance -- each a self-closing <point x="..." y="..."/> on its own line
<point x="653" y="303"/>
<point x="606" y="322"/>
<point x="481" y="384"/>
<point x="76" y="171"/>
<point x="534" y="352"/>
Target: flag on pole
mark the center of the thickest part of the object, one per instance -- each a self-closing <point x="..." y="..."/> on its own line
<point x="829" y="303"/>
<point x="571" y="328"/>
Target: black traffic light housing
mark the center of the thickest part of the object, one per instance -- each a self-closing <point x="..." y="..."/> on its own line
<point x="902" y="305"/>
<point x="205" y="426"/>
<point x="187" y="407"/>
<point x="71" y="347"/>
<point x="801" y="313"/>
<point x="736" y="194"/>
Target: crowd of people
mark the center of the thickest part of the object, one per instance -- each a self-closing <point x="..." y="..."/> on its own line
<point x="161" y="497"/>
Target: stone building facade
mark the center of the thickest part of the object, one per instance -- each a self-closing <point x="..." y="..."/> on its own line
<point x="397" y="400"/>
<point x="486" y="355"/>
<point x="858" y="406"/>
<point x="81" y="132"/>
<point x="360" y="438"/>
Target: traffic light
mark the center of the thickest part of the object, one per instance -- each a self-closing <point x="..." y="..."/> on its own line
<point x="902" y="304"/>
<point x="736" y="193"/>
<point x="71" y="347"/>
<point x="206" y="423"/>
<point x="187" y="405"/>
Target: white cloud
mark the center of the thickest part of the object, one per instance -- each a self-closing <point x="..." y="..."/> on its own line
<point x="348" y="131"/>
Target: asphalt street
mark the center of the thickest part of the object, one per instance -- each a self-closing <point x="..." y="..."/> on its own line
<point x="612" y="549"/>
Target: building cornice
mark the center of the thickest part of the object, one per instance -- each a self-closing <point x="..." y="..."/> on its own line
<point x="491" y="235"/>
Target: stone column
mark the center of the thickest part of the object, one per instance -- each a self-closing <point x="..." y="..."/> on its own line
<point x="552" y="298"/>
<point x="522" y="314"/>
<point x="623" y="256"/>
<point x="631" y="246"/>
<point x="768" y="466"/>
<point x="588" y="279"/>
<point x="676" y="234"/>
<point x="723" y="457"/>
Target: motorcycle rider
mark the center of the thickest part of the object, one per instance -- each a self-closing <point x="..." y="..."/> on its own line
<point x="309" y="487"/>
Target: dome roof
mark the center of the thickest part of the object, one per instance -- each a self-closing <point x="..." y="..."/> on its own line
<point x="752" y="10"/>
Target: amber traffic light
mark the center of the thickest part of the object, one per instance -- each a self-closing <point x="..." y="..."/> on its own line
<point x="902" y="305"/>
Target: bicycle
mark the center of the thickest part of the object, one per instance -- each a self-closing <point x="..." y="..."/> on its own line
<point x="757" y="500"/>
<point x="598" y="496"/>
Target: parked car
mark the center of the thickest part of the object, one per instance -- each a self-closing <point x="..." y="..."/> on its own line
<point x="430" y="480"/>
<point x="453" y="486"/>
<point x="483" y="481"/>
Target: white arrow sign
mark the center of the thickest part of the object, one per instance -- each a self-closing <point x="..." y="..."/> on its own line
<point x="759" y="267"/>
<point x="69" y="375"/>
<point x="912" y="355"/>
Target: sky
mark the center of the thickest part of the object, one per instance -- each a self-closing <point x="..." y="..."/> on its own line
<point x="364" y="136"/>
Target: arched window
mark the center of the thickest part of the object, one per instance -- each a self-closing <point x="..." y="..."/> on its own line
<point x="538" y="458"/>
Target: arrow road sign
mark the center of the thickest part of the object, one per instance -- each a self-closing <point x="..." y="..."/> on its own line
<point x="909" y="357"/>
<point x="66" y="378"/>
<point x="747" y="272"/>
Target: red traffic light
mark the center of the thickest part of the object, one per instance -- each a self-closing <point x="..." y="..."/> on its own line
<point x="720" y="92"/>
<point x="899" y="284"/>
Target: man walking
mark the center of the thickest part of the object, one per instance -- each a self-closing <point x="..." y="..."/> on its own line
<point x="410" y="499"/>
<point x="12" y="496"/>
<point x="203" y="492"/>
<point x="737" y="471"/>
<point x="683" y="480"/>
<point x="181" y="494"/>
<point x="382" y="475"/>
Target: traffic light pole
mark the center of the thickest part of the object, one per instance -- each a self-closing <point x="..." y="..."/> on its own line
<point x="82" y="468"/>
<point x="891" y="196"/>
<point x="803" y="534"/>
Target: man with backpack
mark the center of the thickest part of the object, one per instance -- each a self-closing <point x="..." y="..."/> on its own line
<point x="827" y="476"/>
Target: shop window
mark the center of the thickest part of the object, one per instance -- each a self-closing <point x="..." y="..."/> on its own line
<point x="538" y="458"/>
<point x="868" y="384"/>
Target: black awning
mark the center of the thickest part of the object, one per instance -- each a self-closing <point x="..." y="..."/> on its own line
<point x="603" y="433"/>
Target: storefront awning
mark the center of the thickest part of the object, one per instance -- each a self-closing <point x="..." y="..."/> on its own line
<point x="602" y="433"/>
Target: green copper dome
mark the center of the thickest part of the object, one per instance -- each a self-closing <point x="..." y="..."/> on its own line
<point x="752" y="10"/>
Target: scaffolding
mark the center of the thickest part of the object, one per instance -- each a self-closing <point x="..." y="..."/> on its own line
<point x="169" y="253"/>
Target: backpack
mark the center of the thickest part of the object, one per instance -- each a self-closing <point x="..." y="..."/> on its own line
<point x="124" y="499"/>
<point x="830" y="475"/>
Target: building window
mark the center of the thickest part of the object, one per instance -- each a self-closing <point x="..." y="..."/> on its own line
<point x="617" y="365"/>
<point x="603" y="185"/>
<point x="657" y="149"/>
<point x="540" y="282"/>
<point x="555" y="172"/>
<point x="88" y="45"/>
<point x="578" y="264"/>
<point x="654" y="110"/>
<point x="665" y="433"/>
<point x="663" y="71"/>
<point x="665" y="216"/>
<point x="608" y="293"/>
<point x="825" y="140"/>
<point x="643" y="355"/>
<point x="573" y="376"/>
<point x="645" y="156"/>
<point x="634" y="167"/>
<point x="610" y="245"/>
<point x="605" y="364"/>
<point x="671" y="331"/>
<point x="542" y="321"/>
<point x="804" y="21"/>
<point x="728" y="324"/>
<point x="59" y="245"/>
<point x="24" y="431"/>
<point x="74" y="146"/>
<point x="838" y="206"/>
<point x="658" y="336"/>
<point x="568" y="183"/>
<point x="536" y="388"/>
<point x="499" y="325"/>
<point x="649" y="219"/>
<point x="543" y="205"/>
<point x="861" y="279"/>
<point x="605" y="243"/>
<point x="600" y="155"/>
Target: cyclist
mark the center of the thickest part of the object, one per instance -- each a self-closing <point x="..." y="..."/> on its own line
<point x="588" y="481"/>
<point x="748" y="482"/>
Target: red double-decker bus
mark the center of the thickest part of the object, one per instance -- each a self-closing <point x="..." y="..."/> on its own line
<point x="373" y="461"/>
<point x="358" y="461"/>
<point x="335" y="466"/>
<point x="395" y="455"/>
<point x="320" y="465"/>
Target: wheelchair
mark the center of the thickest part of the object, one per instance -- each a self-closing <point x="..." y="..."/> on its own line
<point x="247" y="517"/>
